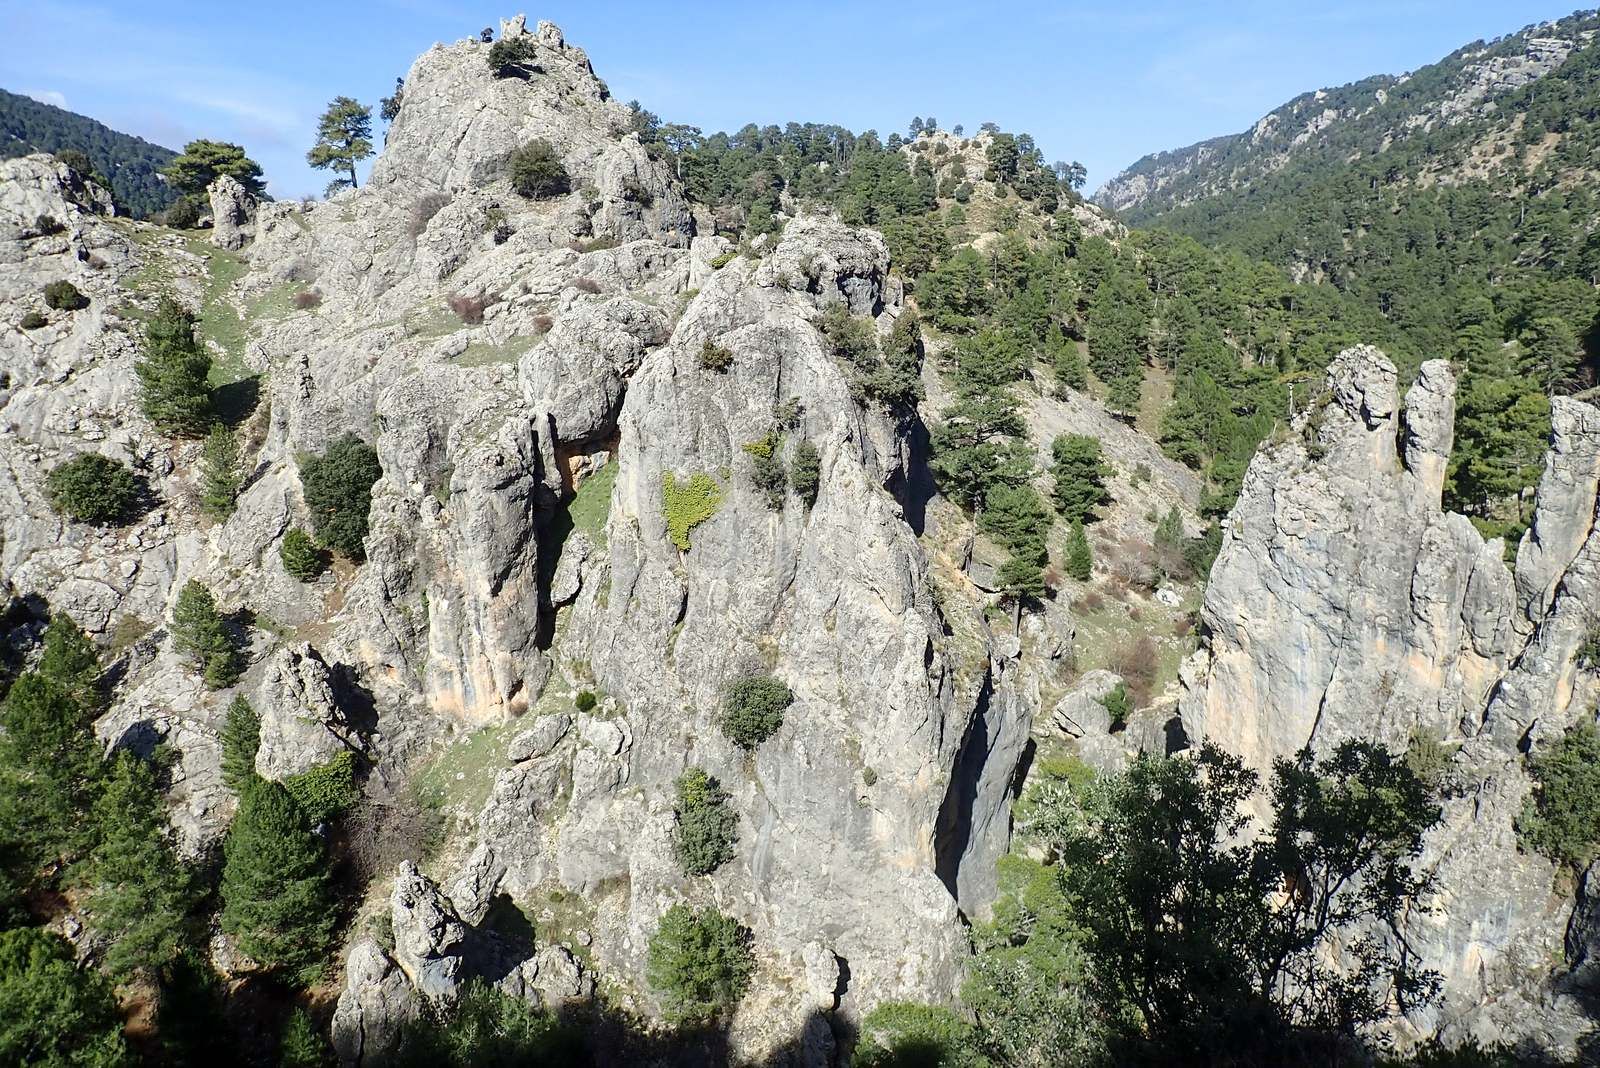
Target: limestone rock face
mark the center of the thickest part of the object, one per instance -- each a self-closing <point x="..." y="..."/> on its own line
<point x="1345" y="604"/>
<point x="376" y="1003"/>
<point x="302" y="722"/>
<point x="233" y="213"/>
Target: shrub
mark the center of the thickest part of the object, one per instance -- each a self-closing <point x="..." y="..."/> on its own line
<point x="96" y="262"/>
<point x="307" y="299"/>
<point x="706" y="827"/>
<point x="199" y="633"/>
<point x="714" y="357"/>
<point x="1562" y="818"/>
<point x="766" y="469"/>
<point x="1587" y="654"/>
<point x="183" y="215"/>
<point x="537" y="172"/>
<point x="174" y="392"/>
<point x="542" y="324"/>
<point x="487" y="1028"/>
<point x="512" y="57"/>
<point x="699" y="962"/>
<point x="33" y="321"/>
<point x="1136" y="662"/>
<point x="805" y="473"/>
<point x="903" y="1034"/>
<point x="1119" y="705"/>
<point x="468" y="309"/>
<point x="753" y="708"/>
<point x="326" y="790"/>
<point x="720" y="261"/>
<point x="93" y="489"/>
<point x="687" y="505"/>
<point x="219" y="473"/>
<point x="53" y="1012"/>
<point x="338" y="490"/>
<point x="423" y="209"/>
<point x="633" y="189"/>
<point x="64" y="296"/>
<point x="1080" y="561"/>
<point x="586" y="285"/>
<point x="302" y="557"/>
<point x="48" y="225"/>
<point x="585" y="701"/>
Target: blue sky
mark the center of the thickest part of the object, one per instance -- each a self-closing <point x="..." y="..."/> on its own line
<point x="1100" y="82"/>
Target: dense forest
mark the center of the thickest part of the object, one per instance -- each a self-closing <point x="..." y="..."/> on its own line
<point x="132" y="164"/>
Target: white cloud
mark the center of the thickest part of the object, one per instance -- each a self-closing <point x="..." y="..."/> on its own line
<point x="47" y="96"/>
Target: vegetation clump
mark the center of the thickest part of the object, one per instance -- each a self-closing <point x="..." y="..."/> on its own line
<point x="512" y="57"/>
<point x="301" y="556"/>
<point x="199" y="633"/>
<point x="93" y="489"/>
<point x="715" y="358"/>
<point x="537" y="171"/>
<point x="752" y="709"/>
<point x="706" y="826"/>
<point x="767" y="472"/>
<point x="805" y="473"/>
<point x="33" y="321"/>
<point x="325" y="791"/>
<point x="338" y="491"/>
<point x="219" y="473"/>
<point x="1562" y="818"/>
<point x="699" y="963"/>
<point x="64" y="296"/>
<point x="688" y="504"/>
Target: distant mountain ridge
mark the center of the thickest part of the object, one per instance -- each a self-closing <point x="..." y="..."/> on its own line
<point x="132" y="163"/>
<point x="1474" y="96"/>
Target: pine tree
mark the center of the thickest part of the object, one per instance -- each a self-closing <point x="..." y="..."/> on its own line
<point x="344" y="138"/>
<point x="1080" y="562"/>
<point x="203" y="162"/>
<point x="140" y="894"/>
<point x="1080" y="476"/>
<point x="241" y="738"/>
<point x="53" y="1013"/>
<point x="70" y="660"/>
<point x="277" y="900"/>
<point x="302" y="1045"/>
<point x="219" y="473"/>
<point x="173" y="391"/>
<point x="49" y="775"/>
<point x="300" y="555"/>
<point x="199" y="633"/>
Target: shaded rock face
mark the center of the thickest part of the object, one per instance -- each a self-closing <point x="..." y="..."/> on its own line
<point x="1346" y="604"/>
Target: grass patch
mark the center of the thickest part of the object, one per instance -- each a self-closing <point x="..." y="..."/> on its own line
<point x="1101" y="632"/>
<point x="558" y="915"/>
<point x="591" y="505"/>
<point x="432" y="322"/>
<point x="462" y="775"/>
<point x="688" y="504"/>
<point x="481" y="355"/>
<point x="275" y="303"/>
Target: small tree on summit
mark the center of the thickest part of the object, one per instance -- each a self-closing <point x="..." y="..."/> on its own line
<point x="344" y="138"/>
<point x="203" y="162"/>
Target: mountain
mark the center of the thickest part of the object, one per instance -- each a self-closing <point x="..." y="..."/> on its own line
<point x="131" y="163"/>
<point x="605" y="593"/>
<point x="1487" y="109"/>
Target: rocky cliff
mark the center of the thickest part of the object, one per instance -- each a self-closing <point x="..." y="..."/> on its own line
<point x="515" y="363"/>
<point x="1346" y="604"/>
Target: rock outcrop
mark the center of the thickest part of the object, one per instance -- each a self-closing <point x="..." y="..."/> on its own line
<point x="233" y="213"/>
<point x="1346" y="604"/>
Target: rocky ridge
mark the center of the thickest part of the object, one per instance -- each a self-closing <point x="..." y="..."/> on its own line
<point x="1317" y="631"/>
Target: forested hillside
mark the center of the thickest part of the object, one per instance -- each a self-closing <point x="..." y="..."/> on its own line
<point x="131" y="163"/>
<point x="1457" y="203"/>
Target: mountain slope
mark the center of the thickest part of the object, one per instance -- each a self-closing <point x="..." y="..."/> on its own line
<point x="132" y="163"/>
<point x="1463" y="111"/>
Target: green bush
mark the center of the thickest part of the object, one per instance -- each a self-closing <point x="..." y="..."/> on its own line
<point x="767" y="472"/>
<point x="753" y="708"/>
<point x="487" y="1028"/>
<point x="721" y="261"/>
<point x="706" y="827"/>
<point x="302" y="1045"/>
<point x="64" y="296"/>
<point x="899" y="1034"/>
<point x="241" y="738"/>
<point x="1080" y="560"/>
<point x="805" y="473"/>
<point x="199" y="633"/>
<point x="93" y="489"/>
<point x="1562" y="818"/>
<point x="33" y="321"/>
<point x="512" y="57"/>
<point x="715" y="358"/>
<point x="326" y="790"/>
<point x="1588" y="651"/>
<point x="184" y="214"/>
<point x="699" y="962"/>
<point x="537" y="172"/>
<point x="585" y="701"/>
<point x="688" y="504"/>
<point x="1119" y="706"/>
<point x="338" y="490"/>
<point x="302" y="557"/>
